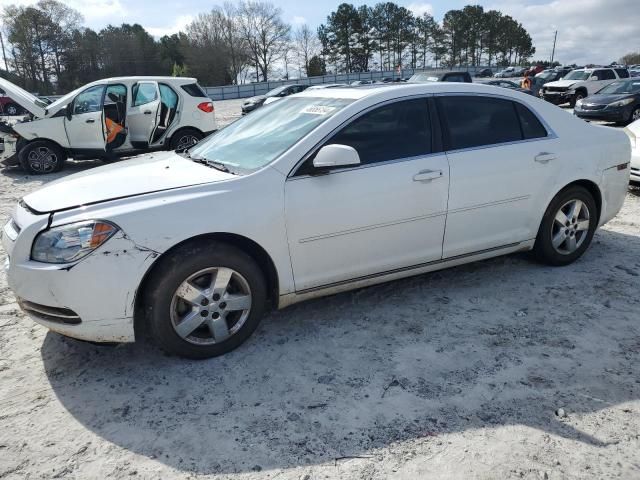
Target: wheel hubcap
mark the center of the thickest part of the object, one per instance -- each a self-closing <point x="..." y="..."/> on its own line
<point x="210" y="306"/>
<point x="42" y="160"/>
<point x="187" y="141"/>
<point x="12" y="110"/>
<point x="570" y="227"/>
<point x="636" y="114"/>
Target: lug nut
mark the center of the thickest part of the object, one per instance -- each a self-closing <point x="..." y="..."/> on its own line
<point x="204" y="313"/>
<point x="204" y="302"/>
<point x="222" y="305"/>
<point x="215" y="315"/>
<point x="216" y="297"/>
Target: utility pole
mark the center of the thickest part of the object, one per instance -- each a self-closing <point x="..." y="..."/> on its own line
<point x="553" y="52"/>
<point x="4" y="55"/>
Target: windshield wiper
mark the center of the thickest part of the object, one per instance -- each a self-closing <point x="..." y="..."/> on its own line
<point x="210" y="163"/>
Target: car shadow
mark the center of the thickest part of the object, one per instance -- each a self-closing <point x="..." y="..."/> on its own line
<point x="500" y="342"/>
<point x="71" y="166"/>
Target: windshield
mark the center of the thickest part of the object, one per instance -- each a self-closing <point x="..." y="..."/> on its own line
<point x="423" y="77"/>
<point x="577" y="75"/>
<point x="275" y="91"/>
<point x="617" y="88"/>
<point x="259" y="138"/>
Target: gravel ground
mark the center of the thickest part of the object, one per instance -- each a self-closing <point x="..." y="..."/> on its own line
<point x="498" y="369"/>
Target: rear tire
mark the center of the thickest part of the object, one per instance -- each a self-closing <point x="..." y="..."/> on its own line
<point x="185" y="139"/>
<point x="205" y="300"/>
<point x="567" y="227"/>
<point x="41" y="156"/>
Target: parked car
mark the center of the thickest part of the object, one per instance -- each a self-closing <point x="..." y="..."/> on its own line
<point x="328" y="85"/>
<point x="617" y="102"/>
<point x="423" y="77"/>
<point x="106" y="119"/>
<point x="506" y="73"/>
<point x="579" y="84"/>
<point x="7" y="105"/>
<point x="534" y="70"/>
<point x="510" y="85"/>
<point x="250" y="104"/>
<point x="484" y="73"/>
<point x="633" y="130"/>
<point x="319" y="194"/>
<point x="357" y="83"/>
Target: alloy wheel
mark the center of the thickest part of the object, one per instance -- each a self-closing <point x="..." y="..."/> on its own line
<point x="570" y="227"/>
<point x="42" y="160"/>
<point x="635" y="115"/>
<point x="210" y="306"/>
<point x="187" y="141"/>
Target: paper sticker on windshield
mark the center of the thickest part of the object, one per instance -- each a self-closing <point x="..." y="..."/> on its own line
<point x="318" y="109"/>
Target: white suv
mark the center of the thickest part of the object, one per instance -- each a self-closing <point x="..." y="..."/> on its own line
<point x="106" y="119"/>
<point x="581" y="83"/>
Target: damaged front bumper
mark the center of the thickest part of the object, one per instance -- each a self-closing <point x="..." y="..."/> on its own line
<point x="8" y="150"/>
<point x="92" y="299"/>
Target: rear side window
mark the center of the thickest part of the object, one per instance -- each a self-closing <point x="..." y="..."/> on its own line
<point x="531" y="126"/>
<point x="194" y="90"/>
<point x="622" y="72"/>
<point x="604" y="75"/>
<point x="144" y="93"/>
<point x="473" y="121"/>
<point x="375" y="135"/>
<point x="456" y="77"/>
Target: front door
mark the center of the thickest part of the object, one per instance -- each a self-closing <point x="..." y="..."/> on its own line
<point x="503" y="161"/>
<point x="386" y="214"/>
<point x="142" y="116"/>
<point x="84" y="126"/>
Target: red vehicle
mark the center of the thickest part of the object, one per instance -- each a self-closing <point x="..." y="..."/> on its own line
<point x="8" y="106"/>
<point x="533" y="71"/>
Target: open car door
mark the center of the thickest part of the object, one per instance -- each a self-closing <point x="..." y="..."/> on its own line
<point x="142" y="116"/>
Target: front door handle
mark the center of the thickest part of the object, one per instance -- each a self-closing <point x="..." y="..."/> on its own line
<point x="90" y="120"/>
<point x="147" y="112"/>
<point x="544" y="157"/>
<point x="427" y="175"/>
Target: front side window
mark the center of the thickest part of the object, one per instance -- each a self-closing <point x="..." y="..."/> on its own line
<point x="398" y="130"/>
<point x="144" y="92"/>
<point x="257" y="139"/>
<point x="603" y="75"/>
<point x="473" y="121"/>
<point x="89" y="101"/>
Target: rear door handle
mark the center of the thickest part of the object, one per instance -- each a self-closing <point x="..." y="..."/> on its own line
<point x="90" y="120"/>
<point x="427" y="175"/>
<point x="544" y="157"/>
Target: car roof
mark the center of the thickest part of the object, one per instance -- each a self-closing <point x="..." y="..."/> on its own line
<point x="175" y="80"/>
<point x="400" y="89"/>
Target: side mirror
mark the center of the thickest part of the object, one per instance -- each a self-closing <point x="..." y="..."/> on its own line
<point x="331" y="156"/>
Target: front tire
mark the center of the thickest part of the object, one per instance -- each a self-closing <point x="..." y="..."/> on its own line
<point x="205" y="300"/>
<point x="580" y="95"/>
<point x="567" y="227"/>
<point x="40" y="157"/>
<point x="635" y="115"/>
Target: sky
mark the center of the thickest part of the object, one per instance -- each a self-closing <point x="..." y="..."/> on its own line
<point x="589" y="31"/>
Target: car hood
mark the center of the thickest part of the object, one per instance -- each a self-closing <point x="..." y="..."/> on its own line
<point x="150" y="173"/>
<point x="26" y="100"/>
<point x="561" y="83"/>
<point x="605" y="99"/>
<point x="256" y="99"/>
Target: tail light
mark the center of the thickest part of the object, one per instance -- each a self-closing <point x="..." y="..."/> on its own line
<point x="206" y="107"/>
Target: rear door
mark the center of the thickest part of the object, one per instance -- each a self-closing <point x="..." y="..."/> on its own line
<point x="600" y="79"/>
<point x="143" y="114"/>
<point x="502" y="161"/>
<point x="84" y="126"/>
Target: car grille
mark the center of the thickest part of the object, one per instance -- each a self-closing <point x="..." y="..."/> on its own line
<point x="50" y="314"/>
<point x="556" y="89"/>
<point x="589" y="106"/>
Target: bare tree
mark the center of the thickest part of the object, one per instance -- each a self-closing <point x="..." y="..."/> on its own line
<point x="265" y="32"/>
<point x="307" y="46"/>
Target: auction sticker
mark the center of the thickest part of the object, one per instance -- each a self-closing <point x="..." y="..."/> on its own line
<point x="318" y="109"/>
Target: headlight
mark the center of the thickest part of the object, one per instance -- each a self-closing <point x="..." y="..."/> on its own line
<point x="69" y="243"/>
<point x="622" y="103"/>
<point x="579" y="103"/>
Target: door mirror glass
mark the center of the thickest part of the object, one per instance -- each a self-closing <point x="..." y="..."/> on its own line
<point x="336" y="156"/>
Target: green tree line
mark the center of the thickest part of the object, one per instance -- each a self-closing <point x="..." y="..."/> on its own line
<point x="47" y="49"/>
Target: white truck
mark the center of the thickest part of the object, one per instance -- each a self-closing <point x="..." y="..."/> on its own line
<point x="580" y="83"/>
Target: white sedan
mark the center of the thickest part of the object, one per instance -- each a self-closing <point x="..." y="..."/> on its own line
<point x="321" y="192"/>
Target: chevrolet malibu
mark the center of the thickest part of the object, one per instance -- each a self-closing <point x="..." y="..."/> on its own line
<point x="315" y="194"/>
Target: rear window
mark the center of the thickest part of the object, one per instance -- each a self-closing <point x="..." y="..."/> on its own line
<point x="194" y="90"/>
<point x="474" y="121"/>
<point x="622" y="72"/>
